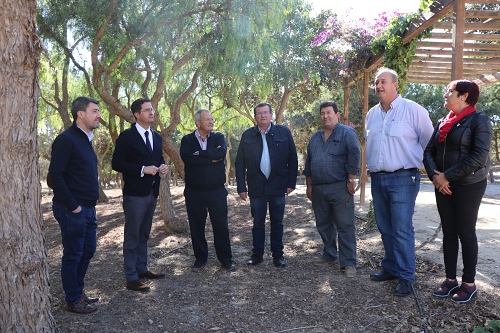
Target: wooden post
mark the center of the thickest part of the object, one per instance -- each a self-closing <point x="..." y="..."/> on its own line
<point x="457" y="43"/>
<point x="347" y="93"/>
<point x="363" y="177"/>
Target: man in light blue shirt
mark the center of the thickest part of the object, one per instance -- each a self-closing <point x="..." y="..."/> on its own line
<point x="397" y="131"/>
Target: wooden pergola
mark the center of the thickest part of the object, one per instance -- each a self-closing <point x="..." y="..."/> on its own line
<point x="461" y="48"/>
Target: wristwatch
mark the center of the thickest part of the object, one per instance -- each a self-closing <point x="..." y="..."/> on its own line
<point x="351" y="180"/>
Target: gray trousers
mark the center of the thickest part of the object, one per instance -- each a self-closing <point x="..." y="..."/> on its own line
<point x="138" y="220"/>
<point x="333" y="208"/>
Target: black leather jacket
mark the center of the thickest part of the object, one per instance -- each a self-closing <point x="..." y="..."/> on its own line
<point x="464" y="154"/>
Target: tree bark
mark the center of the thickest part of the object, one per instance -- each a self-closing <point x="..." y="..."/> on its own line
<point x="24" y="278"/>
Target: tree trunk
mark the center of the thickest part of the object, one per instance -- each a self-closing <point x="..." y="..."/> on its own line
<point x="24" y="278"/>
<point x="172" y="222"/>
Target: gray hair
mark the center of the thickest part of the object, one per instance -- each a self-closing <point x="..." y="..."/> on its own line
<point x="387" y="70"/>
<point x="197" y="115"/>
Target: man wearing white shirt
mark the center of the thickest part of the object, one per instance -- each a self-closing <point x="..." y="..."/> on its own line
<point x="138" y="156"/>
<point x="397" y="131"/>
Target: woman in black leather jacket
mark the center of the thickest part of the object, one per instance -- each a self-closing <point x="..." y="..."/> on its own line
<point x="457" y="162"/>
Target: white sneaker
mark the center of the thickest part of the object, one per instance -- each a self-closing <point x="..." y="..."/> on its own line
<point x="350" y="271"/>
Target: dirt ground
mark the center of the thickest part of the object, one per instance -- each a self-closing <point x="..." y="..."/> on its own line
<point x="302" y="297"/>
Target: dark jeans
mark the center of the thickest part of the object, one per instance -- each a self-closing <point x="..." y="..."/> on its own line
<point x="458" y="214"/>
<point x="198" y="203"/>
<point x="394" y="196"/>
<point x="258" y="207"/>
<point x="78" y="231"/>
<point x="139" y="213"/>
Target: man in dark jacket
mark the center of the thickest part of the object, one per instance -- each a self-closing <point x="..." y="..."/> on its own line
<point x="267" y="160"/>
<point x="203" y="153"/>
<point x="73" y="174"/>
<point x="138" y="156"/>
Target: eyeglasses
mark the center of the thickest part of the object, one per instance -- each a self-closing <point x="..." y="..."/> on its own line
<point x="264" y="113"/>
<point x="148" y="110"/>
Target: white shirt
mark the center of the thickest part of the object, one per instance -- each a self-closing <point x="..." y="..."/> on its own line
<point x="142" y="131"/>
<point x="396" y="139"/>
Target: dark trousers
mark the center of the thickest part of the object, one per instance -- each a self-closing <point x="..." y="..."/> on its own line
<point x="258" y="207"/>
<point x="139" y="213"/>
<point x="458" y="214"/>
<point x="78" y="231"/>
<point x="333" y="209"/>
<point x="214" y="202"/>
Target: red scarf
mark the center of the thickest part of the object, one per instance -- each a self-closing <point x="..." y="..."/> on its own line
<point x="451" y="119"/>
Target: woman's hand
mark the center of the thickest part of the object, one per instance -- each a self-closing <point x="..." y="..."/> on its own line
<point x="441" y="183"/>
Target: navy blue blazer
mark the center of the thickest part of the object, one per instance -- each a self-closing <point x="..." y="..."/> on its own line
<point x="284" y="163"/>
<point x="130" y="155"/>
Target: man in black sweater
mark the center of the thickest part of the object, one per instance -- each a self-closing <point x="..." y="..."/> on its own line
<point x="138" y="156"/>
<point x="73" y="175"/>
<point x="203" y="153"/>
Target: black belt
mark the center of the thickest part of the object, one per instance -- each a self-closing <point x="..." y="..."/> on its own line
<point x="382" y="172"/>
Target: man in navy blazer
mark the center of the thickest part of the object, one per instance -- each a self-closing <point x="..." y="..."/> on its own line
<point x="267" y="160"/>
<point x="138" y="156"/>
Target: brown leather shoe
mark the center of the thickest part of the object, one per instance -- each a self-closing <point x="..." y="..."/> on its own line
<point x="151" y="275"/>
<point x="137" y="285"/>
<point x="81" y="307"/>
<point x="90" y="300"/>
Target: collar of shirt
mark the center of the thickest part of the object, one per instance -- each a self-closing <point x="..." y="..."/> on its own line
<point x="203" y="143"/>
<point x="142" y="131"/>
<point x="267" y="130"/>
<point x="394" y="103"/>
<point x="90" y="134"/>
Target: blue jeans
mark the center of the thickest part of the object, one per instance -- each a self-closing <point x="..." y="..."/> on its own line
<point x="258" y="207"/>
<point x="138" y="213"/>
<point x="78" y="231"/>
<point x="394" y="196"/>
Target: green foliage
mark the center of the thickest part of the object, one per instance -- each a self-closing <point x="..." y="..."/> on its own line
<point x="398" y="56"/>
<point x="491" y="326"/>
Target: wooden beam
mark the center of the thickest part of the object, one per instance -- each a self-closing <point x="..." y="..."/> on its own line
<point x="428" y="18"/>
<point x="484" y="54"/>
<point x="457" y="41"/>
<point x="447" y="45"/>
<point x="430" y="65"/>
<point x="479" y="14"/>
<point x="467" y="36"/>
<point x="470" y="26"/>
<point x="468" y="61"/>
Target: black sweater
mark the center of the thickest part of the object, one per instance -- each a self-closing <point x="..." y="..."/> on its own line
<point x="201" y="172"/>
<point x="73" y="169"/>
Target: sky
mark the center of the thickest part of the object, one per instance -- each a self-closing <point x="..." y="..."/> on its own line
<point x="368" y="9"/>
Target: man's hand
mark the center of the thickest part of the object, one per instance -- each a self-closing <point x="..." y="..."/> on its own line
<point x="309" y="192"/>
<point x="289" y="190"/>
<point x="150" y="170"/>
<point x="163" y="169"/>
<point x="243" y="196"/>
<point x="77" y="210"/>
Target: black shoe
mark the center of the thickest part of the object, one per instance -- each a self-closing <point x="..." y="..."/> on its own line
<point x="199" y="264"/>
<point x="81" y="307"/>
<point x="229" y="266"/>
<point x="446" y="289"/>
<point x="464" y="293"/>
<point x="279" y="261"/>
<point x="89" y="300"/>
<point x="255" y="259"/>
<point x="151" y="275"/>
<point x="137" y="285"/>
<point x="383" y="276"/>
<point x="403" y="288"/>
